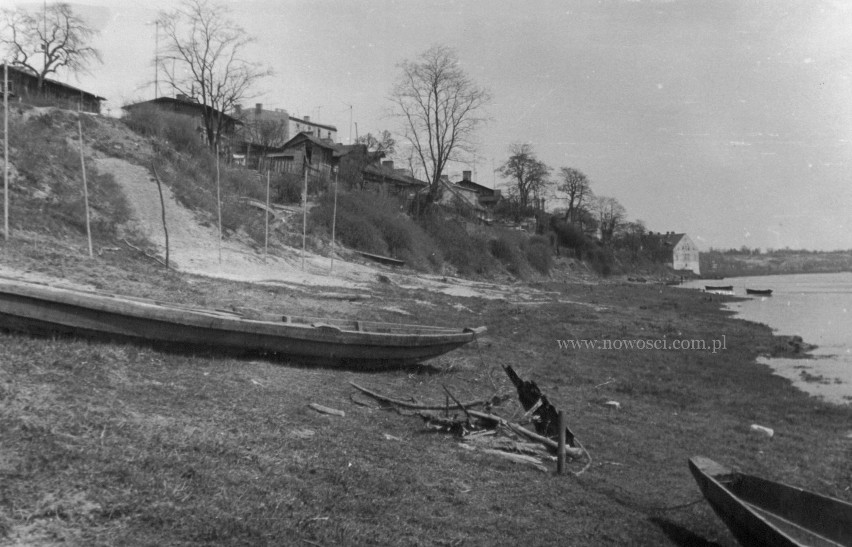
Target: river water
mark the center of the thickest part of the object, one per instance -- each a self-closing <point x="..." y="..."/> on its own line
<point x="817" y="307"/>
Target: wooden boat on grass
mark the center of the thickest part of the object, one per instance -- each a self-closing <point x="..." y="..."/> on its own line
<point x="719" y="288"/>
<point x="42" y="309"/>
<point x="759" y="292"/>
<point x="760" y="512"/>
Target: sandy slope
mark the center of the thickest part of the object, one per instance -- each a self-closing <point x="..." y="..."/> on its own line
<point x="195" y="248"/>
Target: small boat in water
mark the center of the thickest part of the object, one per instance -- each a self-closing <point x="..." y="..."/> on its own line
<point x="761" y="512"/>
<point x="759" y="292"/>
<point x="719" y="288"/>
<point x="46" y="310"/>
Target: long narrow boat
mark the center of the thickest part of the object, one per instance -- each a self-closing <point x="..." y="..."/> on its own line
<point x="761" y="512"/>
<point x="47" y="310"/>
<point x="759" y="292"/>
<point x="725" y="288"/>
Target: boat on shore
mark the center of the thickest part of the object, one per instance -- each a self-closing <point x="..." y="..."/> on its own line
<point x="719" y="288"/>
<point x="759" y="292"/>
<point x="761" y="512"/>
<point x="41" y="309"/>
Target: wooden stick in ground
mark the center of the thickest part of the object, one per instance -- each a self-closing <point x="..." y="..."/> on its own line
<point x="266" y="213"/>
<point x="560" y="450"/>
<point x="163" y="209"/>
<point x="6" y="150"/>
<point x="85" y="183"/>
<point x="305" y="218"/>
<point x="334" y="220"/>
<point x="415" y="406"/>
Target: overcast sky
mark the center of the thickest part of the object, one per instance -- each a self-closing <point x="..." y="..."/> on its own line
<point x="728" y="120"/>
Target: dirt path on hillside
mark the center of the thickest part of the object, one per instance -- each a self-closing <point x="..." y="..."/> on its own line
<point x="194" y="248"/>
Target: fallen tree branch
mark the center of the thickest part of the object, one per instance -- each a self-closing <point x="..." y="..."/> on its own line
<point x="482" y="402"/>
<point x="152" y="257"/>
<point x="521" y="430"/>
<point x="516" y="458"/>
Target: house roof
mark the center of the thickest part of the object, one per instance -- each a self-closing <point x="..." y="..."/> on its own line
<point x="171" y="101"/>
<point x="460" y="191"/>
<point x="378" y="172"/>
<point x="70" y="88"/>
<point x="302" y="136"/>
<point x="475" y="187"/>
<point x="670" y="239"/>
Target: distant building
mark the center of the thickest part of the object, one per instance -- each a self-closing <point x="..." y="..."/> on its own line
<point x="23" y="86"/>
<point x="318" y="130"/>
<point x="684" y="252"/>
<point x="190" y="108"/>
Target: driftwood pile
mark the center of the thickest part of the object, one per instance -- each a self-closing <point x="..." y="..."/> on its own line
<point x="485" y="431"/>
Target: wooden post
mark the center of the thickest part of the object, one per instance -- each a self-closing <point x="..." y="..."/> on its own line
<point x="266" y="232"/>
<point x="334" y="220"/>
<point x="560" y="450"/>
<point x="163" y="209"/>
<point x="85" y="183"/>
<point x="305" y="217"/>
<point x="219" y="201"/>
<point x="6" y="150"/>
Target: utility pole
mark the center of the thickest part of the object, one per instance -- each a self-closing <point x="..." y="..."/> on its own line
<point x="350" y="121"/>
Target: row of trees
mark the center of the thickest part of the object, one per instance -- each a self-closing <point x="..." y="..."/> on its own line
<point x="531" y="179"/>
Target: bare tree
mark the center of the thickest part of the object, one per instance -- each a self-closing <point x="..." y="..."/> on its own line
<point x="47" y="40"/>
<point x="577" y="188"/>
<point x="383" y="142"/>
<point x="611" y="216"/>
<point x="441" y="108"/>
<point x="528" y="174"/>
<point x="203" y="59"/>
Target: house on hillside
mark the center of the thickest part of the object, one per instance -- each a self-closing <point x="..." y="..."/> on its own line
<point x="23" y="87"/>
<point x="463" y="200"/>
<point x="304" y="149"/>
<point x="470" y="198"/>
<point x="182" y="105"/>
<point x="487" y="197"/>
<point x="684" y="253"/>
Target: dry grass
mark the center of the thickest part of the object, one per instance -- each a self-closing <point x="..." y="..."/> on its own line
<point x="110" y="444"/>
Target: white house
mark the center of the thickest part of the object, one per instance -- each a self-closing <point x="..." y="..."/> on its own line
<point x="684" y="252"/>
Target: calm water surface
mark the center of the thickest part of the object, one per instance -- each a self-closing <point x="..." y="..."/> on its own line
<point x="817" y="307"/>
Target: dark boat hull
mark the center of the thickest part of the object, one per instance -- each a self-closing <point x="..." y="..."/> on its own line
<point x="760" y="512"/>
<point x="44" y="310"/>
<point x="759" y="292"/>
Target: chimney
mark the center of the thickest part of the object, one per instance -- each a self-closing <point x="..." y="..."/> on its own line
<point x="238" y="108"/>
<point x="388" y="164"/>
<point x="258" y="108"/>
<point x="466" y="176"/>
<point x="307" y="119"/>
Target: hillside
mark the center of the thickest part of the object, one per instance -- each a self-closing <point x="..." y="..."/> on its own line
<point x="46" y="198"/>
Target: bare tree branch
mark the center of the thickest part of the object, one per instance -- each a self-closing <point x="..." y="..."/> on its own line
<point x="440" y="108"/>
<point x="43" y="42"/>
<point x="203" y="60"/>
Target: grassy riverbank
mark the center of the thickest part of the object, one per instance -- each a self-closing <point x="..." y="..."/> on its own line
<point x="110" y="444"/>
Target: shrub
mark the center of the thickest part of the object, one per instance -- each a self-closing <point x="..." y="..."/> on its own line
<point x="538" y="254"/>
<point x="469" y="255"/>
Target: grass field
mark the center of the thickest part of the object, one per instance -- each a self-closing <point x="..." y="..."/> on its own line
<point x="112" y="444"/>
